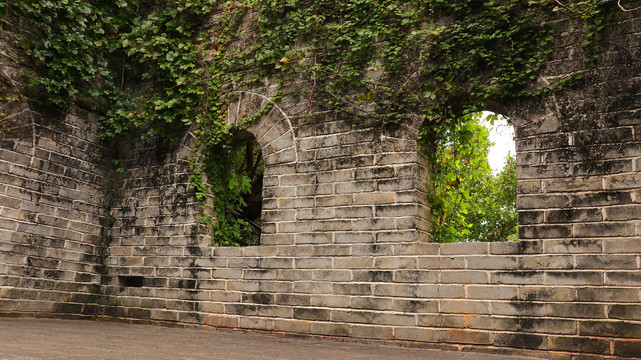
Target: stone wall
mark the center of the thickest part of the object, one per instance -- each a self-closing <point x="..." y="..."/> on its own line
<point x="564" y="297"/>
<point x="344" y="217"/>
<point x="343" y="249"/>
<point x="154" y="225"/>
<point x="52" y="197"/>
<point x="329" y="181"/>
<point x="579" y="151"/>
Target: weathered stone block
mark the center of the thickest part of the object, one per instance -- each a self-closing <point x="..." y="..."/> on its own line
<point x="311" y="314"/>
<point x="465" y="306"/>
<point x="331" y="250"/>
<point x="415" y="306"/>
<point x="605" y="229"/>
<point x="441" y="291"/>
<point x="614" y="213"/>
<point x="256" y="323"/>
<point x="604" y="198"/>
<point x="353" y="316"/>
<point x="376" y="198"/>
<point x="242" y="262"/>
<point x="397" y="290"/>
<point x="574" y="278"/>
<point x="315" y="287"/>
<point x="544" y="262"/>
<point x="277" y="239"/>
<point x="393" y="319"/>
<point x="315" y="214"/>
<point x="465" y="248"/>
<point x="330" y="329"/>
<point x="331" y="301"/>
<point x="407" y="236"/>
<point x="353" y="238"/>
<point x="313" y="238"/>
<point x="333" y="225"/>
<point x="576" y="310"/>
<point x="610" y="328"/>
<point x="372" y="332"/>
<point x="464" y="277"/>
<point x="622" y="246"/>
<point x="415" y="276"/>
<point x="416" y="249"/>
<point x="606" y="262"/>
<point x="516" y="340"/>
<point x="331" y="275"/>
<point x="395" y="262"/>
<point x="572" y="246"/>
<point x="396" y="210"/>
<point x="334" y="200"/>
<point x="224" y="321"/>
<point x="608" y="294"/>
<point x="623" y="278"/>
<point x="354" y="187"/>
<point x="313" y="263"/>
<point x="627" y="348"/>
<point x="543" y="201"/>
<point x="491" y="262"/>
<point x="528" y="186"/>
<point x="517" y="277"/>
<point x="530" y="217"/>
<point x="465" y="336"/>
<point x="492" y="292"/>
<point x="293" y="275"/>
<point x="545" y="231"/>
<point x="354" y="262"/>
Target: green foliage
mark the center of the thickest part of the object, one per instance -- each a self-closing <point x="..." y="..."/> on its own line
<point x="468" y="202"/>
<point x="240" y="166"/>
<point x="166" y="51"/>
<point x="69" y="44"/>
<point x="496" y="214"/>
<point x="593" y="18"/>
<point x="156" y="68"/>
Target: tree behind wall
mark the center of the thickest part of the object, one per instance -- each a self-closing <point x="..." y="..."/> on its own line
<point x="469" y="203"/>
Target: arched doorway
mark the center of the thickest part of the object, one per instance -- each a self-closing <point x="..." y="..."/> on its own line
<point x="247" y="161"/>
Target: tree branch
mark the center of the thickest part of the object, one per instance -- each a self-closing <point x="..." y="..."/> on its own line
<point x="626" y="10"/>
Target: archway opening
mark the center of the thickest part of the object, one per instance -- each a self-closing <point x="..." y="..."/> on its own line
<point x="247" y="161"/>
<point x="238" y="181"/>
<point x="473" y="180"/>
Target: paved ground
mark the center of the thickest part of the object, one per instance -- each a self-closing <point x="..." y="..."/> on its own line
<point x="27" y="338"/>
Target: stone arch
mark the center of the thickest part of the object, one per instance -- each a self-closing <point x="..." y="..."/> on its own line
<point x="273" y="131"/>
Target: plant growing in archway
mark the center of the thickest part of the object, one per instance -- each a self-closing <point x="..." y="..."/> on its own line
<point x="236" y="167"/>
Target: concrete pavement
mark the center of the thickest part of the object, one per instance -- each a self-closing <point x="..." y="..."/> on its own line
<point x="29" y="338"/>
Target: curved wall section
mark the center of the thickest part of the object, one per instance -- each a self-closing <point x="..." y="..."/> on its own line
<point x="52" y="212"/>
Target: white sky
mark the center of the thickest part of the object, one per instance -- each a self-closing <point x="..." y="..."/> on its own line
<point x="502" y="135"/>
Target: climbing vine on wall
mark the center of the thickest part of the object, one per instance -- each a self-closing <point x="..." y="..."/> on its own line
<point x="70" y="45"/>
<point x="155" y="68"/>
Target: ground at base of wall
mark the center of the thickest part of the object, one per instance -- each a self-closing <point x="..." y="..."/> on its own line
<point x="39" y="338"/>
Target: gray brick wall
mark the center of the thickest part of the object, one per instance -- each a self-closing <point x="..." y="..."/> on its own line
<point x="566" y="296"/>
<point x="578" y="150"/>
<point x="343" y="250"/>
<point x="52" y="197"/>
